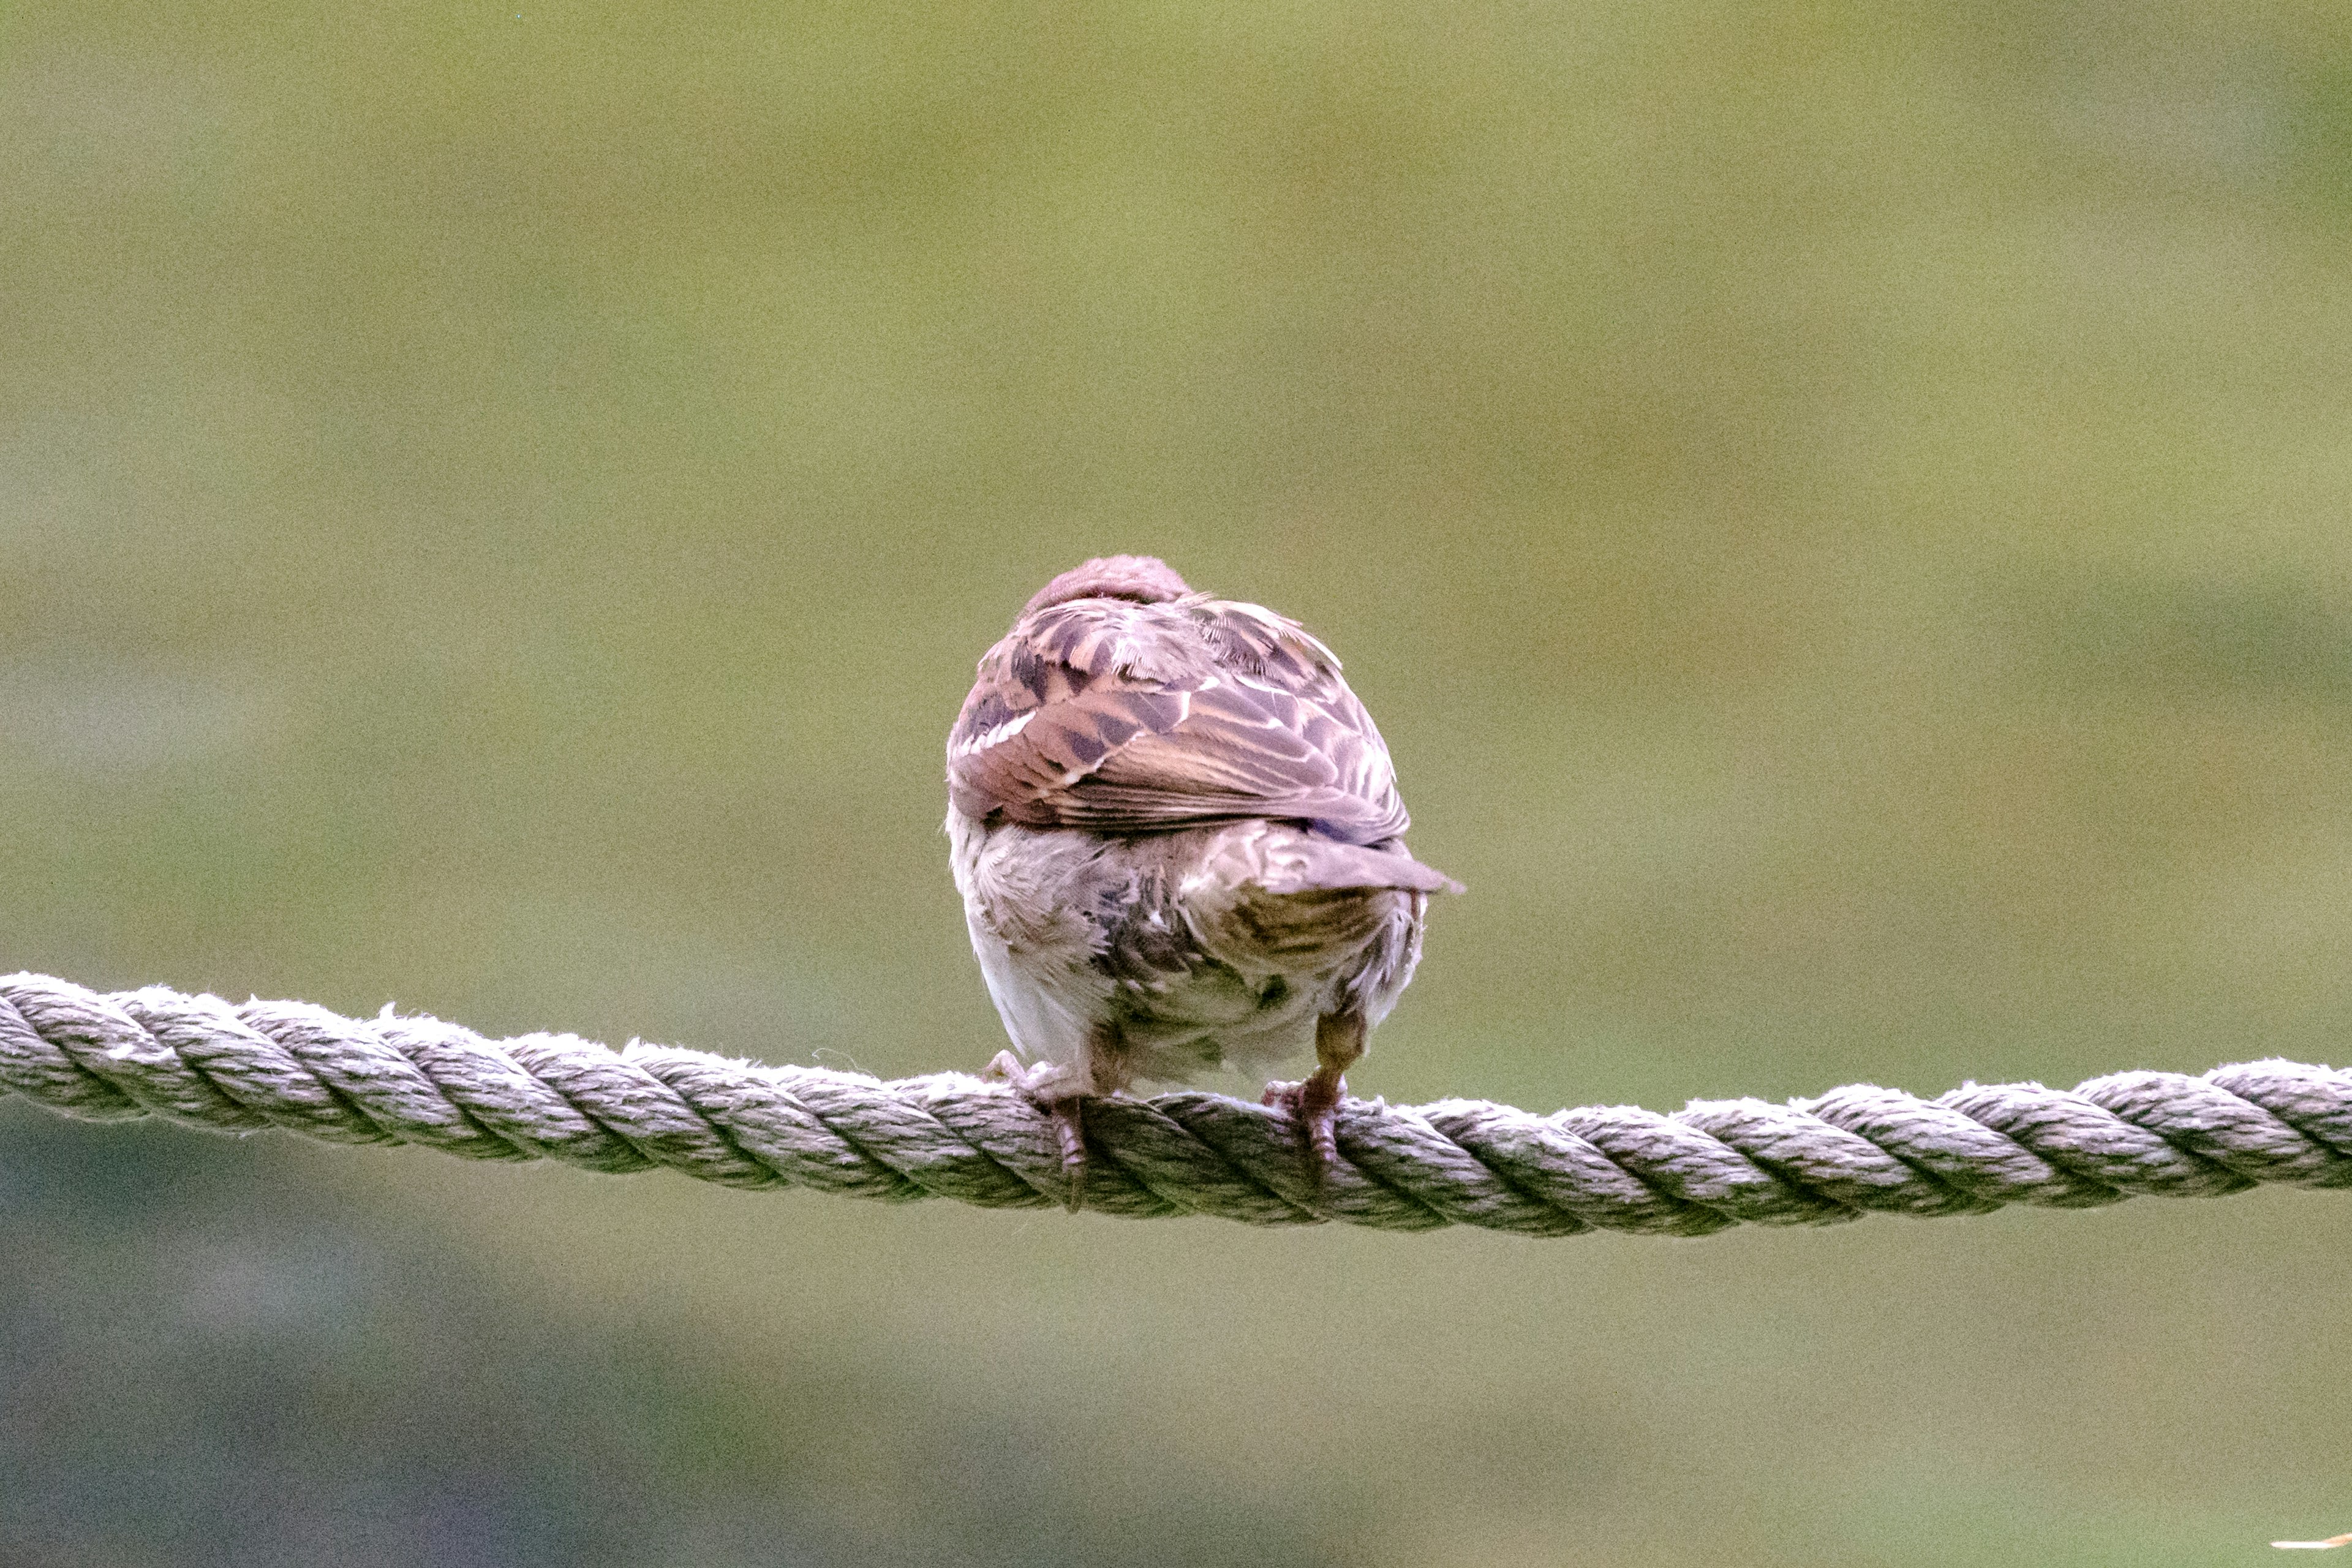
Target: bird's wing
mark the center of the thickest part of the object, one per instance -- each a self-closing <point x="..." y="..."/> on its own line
<point x="1128" y="717"/>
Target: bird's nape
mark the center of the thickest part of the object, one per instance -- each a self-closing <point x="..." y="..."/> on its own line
<point x="1144" y="579"/>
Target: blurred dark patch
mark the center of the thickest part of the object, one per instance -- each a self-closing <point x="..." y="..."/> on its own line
<point x="204" y="1360"/>
<point x="2282" y="638"/>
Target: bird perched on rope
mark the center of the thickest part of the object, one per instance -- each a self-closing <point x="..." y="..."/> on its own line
<point x="1179" y="845"/>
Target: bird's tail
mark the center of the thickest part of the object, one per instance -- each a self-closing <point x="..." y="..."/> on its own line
<point x="1308" y="863"/>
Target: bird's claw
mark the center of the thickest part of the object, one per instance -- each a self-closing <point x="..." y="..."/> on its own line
<point x="1314" y="1104"/>
<point x="1034" y="1082"/>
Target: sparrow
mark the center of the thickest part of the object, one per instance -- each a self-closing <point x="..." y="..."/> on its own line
<point x="1179" y="846"/>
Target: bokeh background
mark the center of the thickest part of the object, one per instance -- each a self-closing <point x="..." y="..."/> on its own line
<point x="1841" y="510"/>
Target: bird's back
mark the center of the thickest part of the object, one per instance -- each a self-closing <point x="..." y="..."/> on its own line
<point x="1121" y="717"/>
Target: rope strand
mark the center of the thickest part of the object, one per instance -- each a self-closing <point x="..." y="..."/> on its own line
<point x="203" y="1062"/>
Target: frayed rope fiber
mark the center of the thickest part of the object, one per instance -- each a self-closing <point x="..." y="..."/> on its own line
<point x="234" y="1067"/>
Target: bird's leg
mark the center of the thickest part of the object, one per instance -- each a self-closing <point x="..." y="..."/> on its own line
<point x="1338" y="1043"/>
<point x="1045" y="1086"/>
<point x="1106" y="1072"/>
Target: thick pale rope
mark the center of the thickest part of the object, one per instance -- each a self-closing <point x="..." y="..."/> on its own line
<point x="1854" y="1151"/>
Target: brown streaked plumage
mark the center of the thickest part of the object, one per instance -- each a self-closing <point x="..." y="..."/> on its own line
<point x="1177" y="838"/>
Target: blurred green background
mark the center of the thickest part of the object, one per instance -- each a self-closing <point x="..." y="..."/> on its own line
<point x="1844" y="512"/>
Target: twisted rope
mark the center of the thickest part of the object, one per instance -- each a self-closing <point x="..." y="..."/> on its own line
<point x="1860" y="1149"/>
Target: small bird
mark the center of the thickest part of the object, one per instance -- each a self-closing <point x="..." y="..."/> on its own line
<point x="1179" y="845"/>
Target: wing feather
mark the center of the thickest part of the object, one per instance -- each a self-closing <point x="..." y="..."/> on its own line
<point x="1137" y="718"/>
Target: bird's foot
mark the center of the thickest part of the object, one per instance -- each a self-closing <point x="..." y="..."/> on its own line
<point x="1041" y="1083"/>
<point x="1315" y="1103"/>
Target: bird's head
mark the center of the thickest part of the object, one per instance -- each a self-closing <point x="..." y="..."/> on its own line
<point x="1142" y="578"/>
